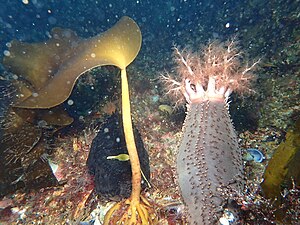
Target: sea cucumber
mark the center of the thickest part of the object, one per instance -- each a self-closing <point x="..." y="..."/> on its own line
<point x="209" y="161"/>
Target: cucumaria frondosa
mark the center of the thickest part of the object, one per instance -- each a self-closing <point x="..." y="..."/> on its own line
<point x="209" y="162"/>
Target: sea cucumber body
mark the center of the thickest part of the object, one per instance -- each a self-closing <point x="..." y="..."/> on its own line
<point x="209" y="162"/>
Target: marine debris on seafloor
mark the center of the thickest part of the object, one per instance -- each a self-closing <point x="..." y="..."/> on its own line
<point x="209" y="161"/>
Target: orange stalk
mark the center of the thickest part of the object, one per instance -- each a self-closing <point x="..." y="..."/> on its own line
<point x="129" y="139"/>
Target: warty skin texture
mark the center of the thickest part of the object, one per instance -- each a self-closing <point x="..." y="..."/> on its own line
<point x="209" y="162"/>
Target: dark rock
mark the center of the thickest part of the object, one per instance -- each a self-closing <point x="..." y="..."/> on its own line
<point x="112" y="176"/>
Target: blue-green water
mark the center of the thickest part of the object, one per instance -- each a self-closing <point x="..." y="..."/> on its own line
<point x="262" y="25"/>
<point x="265" y="30"/>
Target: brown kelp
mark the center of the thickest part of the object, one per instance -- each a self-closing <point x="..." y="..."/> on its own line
<point x="52" y="67"/>
<point x="283" y="167"/>
<point x="26" y="139"/>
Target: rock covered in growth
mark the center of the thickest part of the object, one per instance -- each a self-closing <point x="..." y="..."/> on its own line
<point x="209" y="161"/>
<point x="26" y="136"/>
<point x="111" y="170"/>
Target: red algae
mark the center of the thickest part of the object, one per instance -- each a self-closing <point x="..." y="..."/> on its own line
<point x="64" y="204"/>
<point x="209" y="162"/>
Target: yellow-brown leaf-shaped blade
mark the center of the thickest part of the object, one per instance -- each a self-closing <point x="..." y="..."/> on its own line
<point x="36" y="63"/>
<point x="118" y="46"/>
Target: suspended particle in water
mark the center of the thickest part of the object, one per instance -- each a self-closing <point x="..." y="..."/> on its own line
<point x="26" y="2"/>
<point x="6" y="53"/>
<point x="70" y="102"/>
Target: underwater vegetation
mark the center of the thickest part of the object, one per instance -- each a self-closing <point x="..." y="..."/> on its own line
<point x="284" y="167"/>
<point x="35" y="67"/>
<point x="264" y="119"/>
<point x="55" y="65"/>
<point x="281" y="178"/>
<point x="209" y="161"/>
<point x="26" y="139"/>
<point x="67" y="57"/>
<point x="256" y="207"/>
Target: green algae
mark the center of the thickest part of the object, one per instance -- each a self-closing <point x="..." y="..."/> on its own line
<point x="284" y="166"/>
